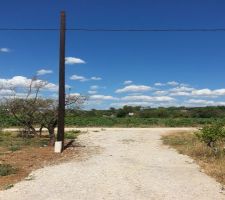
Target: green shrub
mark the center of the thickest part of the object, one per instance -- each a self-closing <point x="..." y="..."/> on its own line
<point x="72" y="134"/>
<point x="14" y="148"/>
<point x="6" y="169"/>
<point x="211" y="134"/>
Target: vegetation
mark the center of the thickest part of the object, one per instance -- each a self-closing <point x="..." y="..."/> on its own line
<point x="6" y="169"/>
<point x="137" y="122"/>
<point x="129" y="116"/>
<point x="31" y="111"/>
<point x="142" y="117"/>
<point x="147" y="112"/>
<point x="20" y="155"/>
<point x="212" y="135"/>
<point x="72" y="134"/>
<point x="14" y="141"/>
<point x="196" y="146"/>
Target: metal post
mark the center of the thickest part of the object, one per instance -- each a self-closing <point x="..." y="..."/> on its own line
<point x="61" y="109"/>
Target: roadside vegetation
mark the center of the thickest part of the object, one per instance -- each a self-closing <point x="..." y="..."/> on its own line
<point x="36" y="118"/>
<point x="206" y="147"/>
<point x="32" y="112"/>
<point x="20" y="155"/>
<point x="129" y="117"/>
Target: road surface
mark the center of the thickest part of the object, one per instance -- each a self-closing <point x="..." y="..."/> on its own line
<point x="132" y="165"/>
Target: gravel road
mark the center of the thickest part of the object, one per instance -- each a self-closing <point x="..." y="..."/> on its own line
<point x="132" y="165"/>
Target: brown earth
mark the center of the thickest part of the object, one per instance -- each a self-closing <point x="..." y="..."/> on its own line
<point x="32" y="158"/>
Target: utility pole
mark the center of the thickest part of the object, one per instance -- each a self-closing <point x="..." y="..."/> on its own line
<point x="59" y="145"/>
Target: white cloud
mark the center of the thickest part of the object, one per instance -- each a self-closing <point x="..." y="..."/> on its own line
<point x="122" y="104"/>
<point x="43" y="72"/>
<point x="143" y="104"/>
<point x="78" y="78"/>
<point x="203" y="102"/>
<point x="74" y="94"/>
<point x="184" y="85"/>
<point x="128" y="82"/>
<point x="161" y="92"/>
<point x="51" y="87"/>
<point x="172" y="83"/>
<point x="102" y="97"/>
<point x="73" y="60"/>
<point x="182" y="89"/>
<point x="200" y="101"/>
<point x="6" y="92"/>
<point x="159" y="84"/>
<point x="94" y="87"/>
<point x="134" y="88"/>
<point x="92" y="92"/>
<point x="202" y="92"/>
<point x="180" y="94"/>
<point x="185" y="90"/>
<point x="94" y="78"/>
<point x="208" y="93"/>
<point x="148" y="98"/>
<point x="24" y="82"/>
<point x="82" y="78"/>
<point x="4" y="50"/>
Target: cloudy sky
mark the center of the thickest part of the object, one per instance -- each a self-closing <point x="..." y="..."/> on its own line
<point x="115" y="69"/>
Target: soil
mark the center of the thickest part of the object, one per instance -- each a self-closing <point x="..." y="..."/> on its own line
<point x="31" y="158"/>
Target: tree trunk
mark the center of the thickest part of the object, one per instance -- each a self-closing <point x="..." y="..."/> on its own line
<point x="40" y="131"/>
<point x="51" y="131"/>
<point x="34" y="132"/>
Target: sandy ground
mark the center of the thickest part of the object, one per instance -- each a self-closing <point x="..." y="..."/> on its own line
<point x="133" y="164"/>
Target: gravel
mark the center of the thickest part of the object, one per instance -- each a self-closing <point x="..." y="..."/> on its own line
<point x="133" y="165"/>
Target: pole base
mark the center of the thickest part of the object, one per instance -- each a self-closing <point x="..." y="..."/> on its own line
<point x="58" y="147"/>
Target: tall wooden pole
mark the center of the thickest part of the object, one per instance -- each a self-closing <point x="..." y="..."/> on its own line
<point x="61" y="108"/>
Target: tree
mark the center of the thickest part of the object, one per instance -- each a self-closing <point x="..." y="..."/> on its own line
<point x="48" y="112"/>
<point x="23" y="106"/>
<point x="30" y="110"/>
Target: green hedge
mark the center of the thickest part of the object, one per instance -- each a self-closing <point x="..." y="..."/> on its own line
<point x="138" y="122"/>
<point x="6" y="121"/>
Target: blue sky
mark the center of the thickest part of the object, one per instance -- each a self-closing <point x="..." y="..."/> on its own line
<point x="189" y="65"/>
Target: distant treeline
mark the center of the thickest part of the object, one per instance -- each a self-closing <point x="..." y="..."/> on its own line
<point x="161" y="112"/>
<point x="129" y="116"/>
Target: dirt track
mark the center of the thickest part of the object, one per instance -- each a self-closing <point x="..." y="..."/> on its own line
<point x="133" y="164"/>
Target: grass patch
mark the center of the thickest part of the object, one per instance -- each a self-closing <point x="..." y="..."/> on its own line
<point x="14" y="148"/>
<point x="13" y="142"/>
<point x="188" y="144"/>
<point x="72" y="134"/>
<point x="6" y="170"/>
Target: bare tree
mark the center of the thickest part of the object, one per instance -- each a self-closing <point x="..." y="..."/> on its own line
<point x="30" y="110"/>
<point x="23" y="105"/>
<point x="48" y="113"/>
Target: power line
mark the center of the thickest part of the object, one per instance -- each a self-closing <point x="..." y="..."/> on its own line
<point x="119" y="30"/>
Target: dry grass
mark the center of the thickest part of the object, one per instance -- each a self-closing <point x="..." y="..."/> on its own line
<point x="188" y="144"/>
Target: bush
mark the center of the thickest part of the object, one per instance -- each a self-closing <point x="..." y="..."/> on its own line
<point x="211" y="134"/>
<point x="14" y="148"/>
<point x="6" y="169"/>
<point x="72" y="134"/>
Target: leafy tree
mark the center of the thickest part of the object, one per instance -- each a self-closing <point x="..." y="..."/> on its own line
<point x="121" y="113"/>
